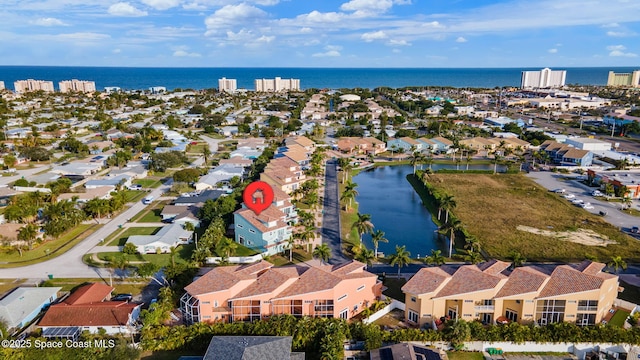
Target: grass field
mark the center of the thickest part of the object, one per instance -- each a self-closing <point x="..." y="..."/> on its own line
<point x="121" y="239"/>
<point x="299" y="255"/>
<point x="619" y="318"/>
<point x="48" y="249"/>
<point x="148" y="182"/>
<point x="465" y="355"/>
<point x="183" y="255"/>
<point x="492" y="206"/>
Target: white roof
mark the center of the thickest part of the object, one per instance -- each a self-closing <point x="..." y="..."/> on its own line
<point x="23" y="301"/>
<point x="170" y="235"/>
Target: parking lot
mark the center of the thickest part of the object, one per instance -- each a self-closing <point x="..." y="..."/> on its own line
<point x="553" y="181"/>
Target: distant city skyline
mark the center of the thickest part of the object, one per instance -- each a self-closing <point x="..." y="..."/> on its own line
<point x="328" y="33"/>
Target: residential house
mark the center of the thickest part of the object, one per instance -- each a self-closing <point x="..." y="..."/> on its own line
<point x="565" y="154"/>
<point x="77" y="168"/>
<point x="493" y="293"/>
<point x="246" y="153"/>
<point x="23" y="304"/>
<point x="267" y="232"/>
<point x="200" y="198"/>
<point x="181" y="215"/>
<point x="442" y="145"/>
<point x="252" y="143"/>
<point x="101" y="192"/>
<point x="89" y="309"/>
<point x="284" y="174"/>
<point x="479" y="143"/>
<point x="366" y="145"/>
<point x="630" y="179"/>
<point x="434" y="110"/>
<point x="167" y="237"/>
<point x="259" y="290"/>
<point x="251" y="348"/>
<point x="405" y="351"/>
<point x="111" y="182"/>
<point x="220" y="175"/>
<point x="405" y="144"/>
<point x="308" y="144"/>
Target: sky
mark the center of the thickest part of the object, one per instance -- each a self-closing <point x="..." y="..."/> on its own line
<point x="320" y="33"/>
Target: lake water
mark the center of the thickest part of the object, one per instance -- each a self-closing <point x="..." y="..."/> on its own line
<point x="397" y="209"/>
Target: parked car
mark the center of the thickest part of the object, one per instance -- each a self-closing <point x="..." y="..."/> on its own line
<point x="559" y="191"/>
<point x="135" y="187"/>
<point x="602" y="213"/>
<point x="122" y="297"/>
<point x="569" y="196"/>
<point x="596" y="193"/>
<point x="577" y="201"/>
<point x="587" y="206"/>
<point x="635" y="230"/>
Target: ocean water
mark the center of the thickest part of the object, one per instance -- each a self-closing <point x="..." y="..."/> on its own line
<point x="332" y="78"/>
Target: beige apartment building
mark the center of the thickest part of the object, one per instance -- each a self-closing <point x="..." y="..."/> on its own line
<point x="277" y="84"/>
<point x="227" y="85"/>
<point x="492" y="293"/>
<point x="75" y="85"/>
<point x="631" y="79"/>
<point x="1" y="85"/>
<point x="23" y="86"/>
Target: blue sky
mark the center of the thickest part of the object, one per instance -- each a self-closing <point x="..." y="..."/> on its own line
<point x="320" y="33"/>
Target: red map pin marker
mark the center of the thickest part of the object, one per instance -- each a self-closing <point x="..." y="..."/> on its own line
<point x="256" y="203"/>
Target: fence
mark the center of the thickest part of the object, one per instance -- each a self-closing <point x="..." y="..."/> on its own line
<point x="236" y="259"/>
<point x="394" y="304"/>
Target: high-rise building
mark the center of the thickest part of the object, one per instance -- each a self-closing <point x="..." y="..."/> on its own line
<point x="545" y="78"/>
<point x="228" y="85"/>
<point x="277" y="84"/>
<point x="1" y="85"/>
<point x="22" y="86"/>
<point x="157" y="89"/>
<point x="624" y="79"/>
<point x="75" y="85"/>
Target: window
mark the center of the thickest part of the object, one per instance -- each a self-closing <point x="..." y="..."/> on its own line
<point x="252" y="231"/>
<point x="323" y="308"/>
<point x="360" y="288"/>
<point x="486" y="318"/>
<point x="344" y="314"/>
<point x="413" y="299"/>
<point x="550" y="311"/>
<point x="586" y="319"/>
<point x="215" y="303"/>
<point x="206" y="302"/>
<point x="452" y="313"/>
<point x="342" y="297"/>
<point x="468" y="301"/>
<point x="241" y="239"/>
<point x="512" y="315"/>
<point x="588" y="305"/>
<point x="239" y="225"/>
<point x="413" y="316"/>
<point x="245" y="310"/>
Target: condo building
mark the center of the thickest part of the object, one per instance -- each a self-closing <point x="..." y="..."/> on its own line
<point x="492" y="292"/>
<point x="277" y="84"/>
<point x="545" y="78"/>
<point x="227" y="85"/>
<point x="631" y="79"/>
<point x="23" y="86"/>
<point x="75" y="85"/>
<point x="1" y="85"/>
<point x="259" y="290"/>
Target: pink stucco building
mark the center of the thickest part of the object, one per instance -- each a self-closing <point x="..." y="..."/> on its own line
<point x="259" y="290"/>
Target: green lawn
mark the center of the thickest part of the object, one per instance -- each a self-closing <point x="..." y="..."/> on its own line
<point x="182" y="257"/>
<point x="134" y="195"/>
<point x="148" y="182"/>
<point x="299" y="255"/>
<point x="394" y="286"/>
<point x="465" y="355"/>
<point x="619" y="318"/>
<point x="151" y="216"/>
<point x="121" y="238"/>
<point x="48" y="249"/>
<point x="198" y="149"/>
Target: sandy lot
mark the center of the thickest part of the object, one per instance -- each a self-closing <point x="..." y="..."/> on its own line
<point x="580" y="236"/>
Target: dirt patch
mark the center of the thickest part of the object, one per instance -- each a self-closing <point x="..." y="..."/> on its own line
<point x="580" y="236"/>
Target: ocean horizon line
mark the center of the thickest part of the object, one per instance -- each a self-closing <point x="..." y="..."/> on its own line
<point x="324" y="67"/>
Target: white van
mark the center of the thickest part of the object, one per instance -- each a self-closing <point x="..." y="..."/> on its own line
<point x="147" y="200"/>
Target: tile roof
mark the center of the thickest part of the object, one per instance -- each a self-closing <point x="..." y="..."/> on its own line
<point x="493" y="267"/>
<point x="109" y="313"/>
<point x="575" y="154"/>
<point x="90" y="293"/>
<point x="270" y="214"/>
<point x="469" y="278"/>
<point x="566" y="280"/>
<point x="313" y="280"/>
<point x="224" y="277"/>
<point x="427" y="280"/>
<point x="250" y="348"/>
<point x="270" y="281"/>
<point x="302" y="140"/>
<point x="522" y="280"/>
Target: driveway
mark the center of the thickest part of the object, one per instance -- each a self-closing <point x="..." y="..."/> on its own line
<point x="213" y="143"/>
<point x="615" y="217"/>
<point x="69" y="264"/>
<point x="331" y="217"/>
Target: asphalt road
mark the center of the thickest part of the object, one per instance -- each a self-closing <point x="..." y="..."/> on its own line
<point x="615" y="217"/>
<point x="331" y="218"/>
<point x="69" y="264"/>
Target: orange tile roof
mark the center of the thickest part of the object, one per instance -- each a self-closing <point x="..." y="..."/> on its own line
<point x="271" y="281"/>
<point x="224" y="277"/>
<point x="468" y="279"/>
<point x="522" y="280"/>
<point x="90" y="293"/>
<point x="427" y="280"/>
<point x="493" y="267"/>
<point x="109" y="313"/>
<point x="566" y="280"/>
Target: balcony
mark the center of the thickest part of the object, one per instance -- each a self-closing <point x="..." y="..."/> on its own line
<point x="484" y="308"/>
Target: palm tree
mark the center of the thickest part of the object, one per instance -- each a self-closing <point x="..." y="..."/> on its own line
<point x="307" y="234"/>
<point x="517" y="259"/>
<point x="206" y="152"/>
<point x="447" y="203"/>
<point x="627" y="202"/>
<point x="471" y="256"/>
<point x="226" y="247"/>
<point x="416" y="158"/>
<point x="436" y="258"/>
<point x="173" y="251"/>
<point x="496" y="159"/>
<point x="323" y="252"/>
<point x="363" y="225"/>
<point x="617" y="263"/>
<point x="401" y="257"/>
<point x="472" y="243"/>
<point x="290" y="242"/>
<point x="451" y="227"/>
<point x="366" y="256"/>
<point x="349" y="193"/>
<point x="28" y="233"/>
<point x="376" y="238"/>
<point x="609" y="189"/>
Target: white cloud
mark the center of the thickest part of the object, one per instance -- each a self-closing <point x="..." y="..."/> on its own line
<point x="194" y="6"/>
<point x="116" y="51"/>
<point x="306" y="30"/>
<point x="48" y="21"/>
<point x="460" y="39"/>
<point x="265" y="39"/>
<point x="331" y="51"/>
<point x="125" y="9"/>
<point x="552" y="51"/>
<point x="395" y="42"/>
<point x="183" y="53"/>
<point x="319" y="17"/>
<point x="161" y="4"/>
<point x="611" y="25"/>
<point x="618" y="51"/>
<point x="232" y="15"/>
<point x="371" y="36"/>
<point x="367" y="7"/>
<point x="620" y="33"/>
